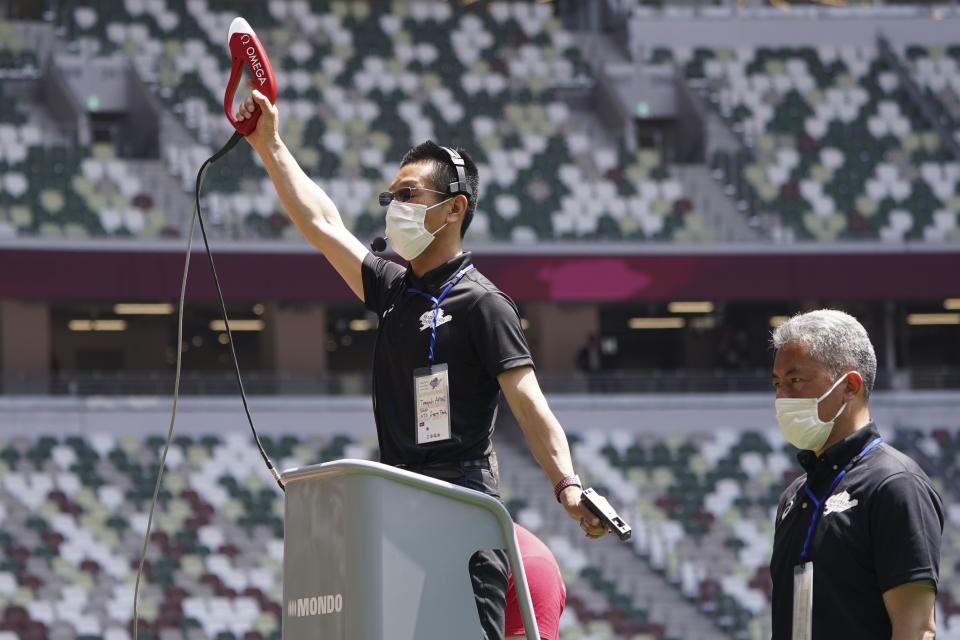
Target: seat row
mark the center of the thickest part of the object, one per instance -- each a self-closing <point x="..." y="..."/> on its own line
<point x="362" y="82"/>
<point x="835" y="147"/>
<point x="703" y="504"/>
<point x="73" y="512"/>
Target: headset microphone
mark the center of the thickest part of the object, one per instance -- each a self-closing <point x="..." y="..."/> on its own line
<point x="379" y="244"/>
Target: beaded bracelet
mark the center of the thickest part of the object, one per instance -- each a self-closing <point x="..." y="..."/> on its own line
<point x="569" y="481"/>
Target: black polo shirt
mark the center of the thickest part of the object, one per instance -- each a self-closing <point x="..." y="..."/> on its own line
<point x="882" y="530"/>
<point x="478" y="337"/>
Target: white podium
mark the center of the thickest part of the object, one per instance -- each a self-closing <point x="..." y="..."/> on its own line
<point x="372" y="552"/>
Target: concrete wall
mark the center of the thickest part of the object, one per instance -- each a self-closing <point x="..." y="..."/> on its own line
<point x="557" y="331"/>
<point x="353" y="415"/>
<point x="24" y="336"/>
<point x="789" y="29"/>
<point x="294" y="338"/>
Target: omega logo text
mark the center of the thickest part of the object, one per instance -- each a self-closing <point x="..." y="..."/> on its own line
<point x="256" y="67"/>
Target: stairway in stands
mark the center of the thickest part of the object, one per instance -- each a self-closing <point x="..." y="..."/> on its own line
<point x="626" y="577"/>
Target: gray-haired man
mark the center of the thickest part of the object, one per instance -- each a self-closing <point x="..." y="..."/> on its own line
<point x="856" y="548"/>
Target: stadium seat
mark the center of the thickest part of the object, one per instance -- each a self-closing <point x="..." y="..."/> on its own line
<point x="72" y="547"/>
<point x="736" y="477"/>
<point x="701" y="510"/>
<point x="73" y="523"/>
<point x="356" y="92"/>
<point x="822" y="126"/>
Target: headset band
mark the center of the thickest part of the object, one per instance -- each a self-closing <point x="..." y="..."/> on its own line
<point x="460" y="186"/>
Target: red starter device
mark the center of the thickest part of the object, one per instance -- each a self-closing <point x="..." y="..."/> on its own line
<point x="245" y="49"/>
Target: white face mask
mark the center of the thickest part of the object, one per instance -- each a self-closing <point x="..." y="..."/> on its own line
<point x="799" y="420"/>
<point x="405" y="229"/>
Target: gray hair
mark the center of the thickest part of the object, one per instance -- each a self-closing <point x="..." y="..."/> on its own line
<point x="833" y="338"/>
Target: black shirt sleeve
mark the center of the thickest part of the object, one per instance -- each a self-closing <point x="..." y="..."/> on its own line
<point x="379" y="276"/>
<point x="906" y="519"/>
<point x="497" y="334"/>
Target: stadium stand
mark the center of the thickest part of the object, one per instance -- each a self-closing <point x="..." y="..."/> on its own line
<point x="935" y="69"/>
<point x="829" y="147"/>
<point x="74" y="511"/>
<point x="357" y="91"/>
<point x="17" y="60"/>
<point x="703" y="506"/>
<point x="58" y="190"/>
<point x="835" y="148"/>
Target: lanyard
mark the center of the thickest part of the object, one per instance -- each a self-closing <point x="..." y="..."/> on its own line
<point x="436" y="302"/>
<point x="833" y="485"/>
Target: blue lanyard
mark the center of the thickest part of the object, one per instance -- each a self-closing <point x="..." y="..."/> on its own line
<point x="436" y="302"/>
<point x="833" y="485"/>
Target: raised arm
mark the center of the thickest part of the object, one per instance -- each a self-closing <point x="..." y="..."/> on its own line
<point x="310" y="208"/>
<point x="546" y="439"/>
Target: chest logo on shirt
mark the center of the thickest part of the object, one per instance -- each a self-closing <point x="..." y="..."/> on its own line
<point x="426" y="320"/>
<point x="838" y="503"/>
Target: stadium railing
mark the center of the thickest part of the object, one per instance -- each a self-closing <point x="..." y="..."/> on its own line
<point x="109" y="383"/>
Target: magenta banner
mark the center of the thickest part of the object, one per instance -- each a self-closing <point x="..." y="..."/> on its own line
<point x="111" y="275"/>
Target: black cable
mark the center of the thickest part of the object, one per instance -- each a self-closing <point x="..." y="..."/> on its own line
<point x="223" y="307"/>
<point x="173" y="417"/>
<point x="176" y="385"/>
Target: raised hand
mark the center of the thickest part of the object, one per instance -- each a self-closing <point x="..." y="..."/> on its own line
<point x="267" y="130"/>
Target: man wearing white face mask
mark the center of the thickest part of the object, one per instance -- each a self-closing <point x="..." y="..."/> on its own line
<point x="448" y="342"/>
<point x="856" y="547"/>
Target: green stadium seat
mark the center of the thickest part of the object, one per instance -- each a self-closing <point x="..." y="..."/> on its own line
<point x="371" y="71"/>
<point x="805" y="101"/>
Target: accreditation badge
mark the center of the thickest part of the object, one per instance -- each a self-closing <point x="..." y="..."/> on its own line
<point x="431" y="390"/>
<point x="803" y="601"/>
